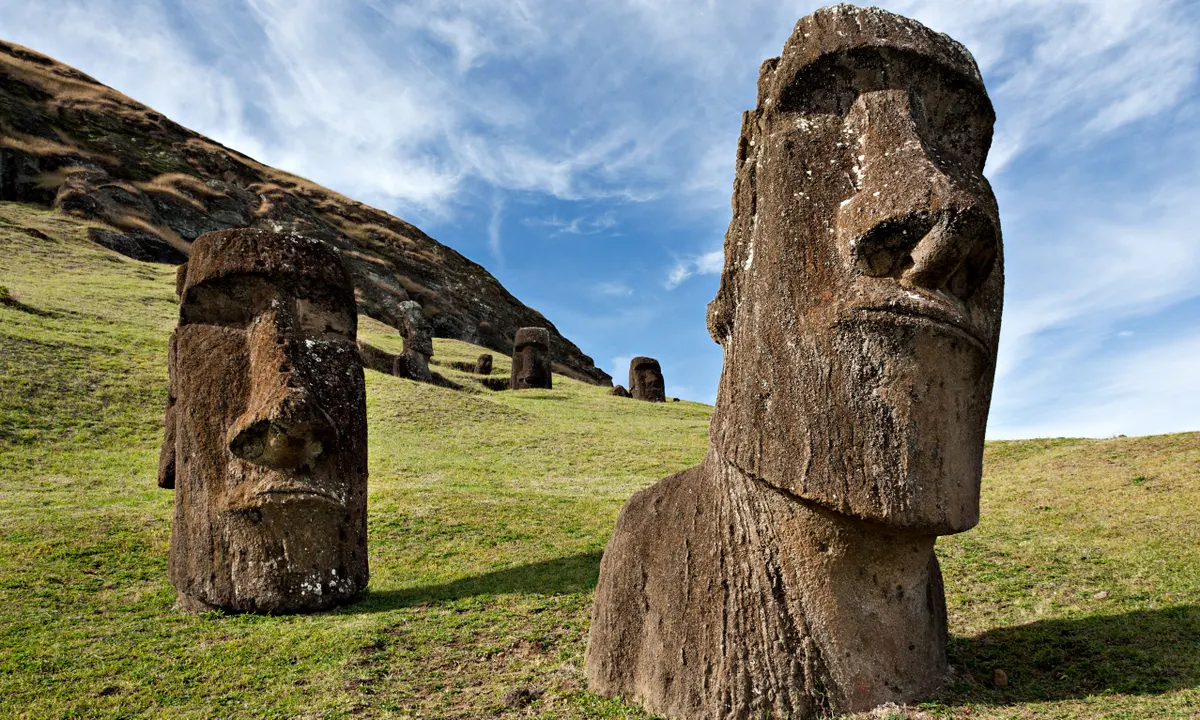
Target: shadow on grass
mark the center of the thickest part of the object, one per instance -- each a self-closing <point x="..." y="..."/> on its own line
<point x="1147" y="652"/>
<point x="560" y="576"/>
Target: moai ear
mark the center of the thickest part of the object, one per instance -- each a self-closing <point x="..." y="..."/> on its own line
<point x="739" y="237"/>
<point x="180" y="279"/>
<point x="166" y="456"/>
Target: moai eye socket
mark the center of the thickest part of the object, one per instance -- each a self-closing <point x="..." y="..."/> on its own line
<point x="232" y="301"/>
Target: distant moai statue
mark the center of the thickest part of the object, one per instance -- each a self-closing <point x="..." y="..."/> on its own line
<point x="266" y="428"/>
<point x="417" y="332"/>
<point x="859" y="312"/>
<point x="646" y="380"/>
<point x="619" y="391"/>
<point x="531" y="359"/>
<point x="483" y="366"/>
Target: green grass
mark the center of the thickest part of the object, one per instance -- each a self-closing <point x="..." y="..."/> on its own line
<point x="488" y="514"/>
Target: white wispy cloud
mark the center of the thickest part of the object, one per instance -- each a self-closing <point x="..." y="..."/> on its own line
<point x="709" y="263"/>
<point x="612" y="289"/>
<point x="581" y="225"/>
<point x="551" y="115"/>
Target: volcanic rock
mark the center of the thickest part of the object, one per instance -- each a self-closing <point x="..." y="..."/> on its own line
<point x="266" y="441"/>
<point x="792" y="573"/>
<point x="68" y="141"/>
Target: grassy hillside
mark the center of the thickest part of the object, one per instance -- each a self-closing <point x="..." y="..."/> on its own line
<point x="488" y="514"/>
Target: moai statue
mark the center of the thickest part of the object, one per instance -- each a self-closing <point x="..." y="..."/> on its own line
<point x="531" y="359"/>
<point x="646" y="380"/>
<point x="792" y="573"/>
<point x="483" y="366"/>
<point x="619" y="391"/>
<point x="417" y="332"/>
<point x="266" y="439"/>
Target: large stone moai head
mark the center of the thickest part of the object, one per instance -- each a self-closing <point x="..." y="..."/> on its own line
<point x="531" y="359"/>
<point x="268" y="453"/>
<point x="646" y="380"/>
<point x="859" y="307"/>
<point x="483" y="366"/>
<point x="417" y="332"/>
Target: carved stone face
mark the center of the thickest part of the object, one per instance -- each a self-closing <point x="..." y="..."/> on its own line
<point x="270" y="436"/>
<point x="417" y="331"/>
<point x="860" y="304"/>
<point x="531" y="366"/>
<point x="646" y="380"/>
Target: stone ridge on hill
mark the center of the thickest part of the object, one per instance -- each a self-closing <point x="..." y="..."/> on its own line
<point x="70" y="142"/>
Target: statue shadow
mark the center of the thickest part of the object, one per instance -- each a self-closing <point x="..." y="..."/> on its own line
<point x="559" y="576"/>
<point x="1147" y="652"/>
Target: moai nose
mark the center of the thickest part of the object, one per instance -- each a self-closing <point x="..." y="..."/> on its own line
<point x="283" y="427"/>
<point x="920" y="216"/>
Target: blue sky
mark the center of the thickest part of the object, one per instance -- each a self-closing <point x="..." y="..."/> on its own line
<point x="583" y="153"/>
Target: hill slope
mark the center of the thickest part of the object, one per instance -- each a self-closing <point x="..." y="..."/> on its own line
<point x="151" y="186"/>
<point x="488" y="513"/>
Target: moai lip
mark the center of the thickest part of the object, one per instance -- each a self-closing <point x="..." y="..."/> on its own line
<point x="859" y="313"/>
<point x="646" y="380"/>
<point x="266" y="441"/>
<point x="531" y="364"/>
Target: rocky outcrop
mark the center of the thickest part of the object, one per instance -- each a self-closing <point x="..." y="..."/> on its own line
<point x="152" y="187"/>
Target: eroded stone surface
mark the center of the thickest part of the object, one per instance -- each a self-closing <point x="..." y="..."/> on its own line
<point x="619" y="391"/>
<point x="792" y="573"/>
<point x="483" y="366"/>
<point x="417" y="332"/>
<point x="531" y="361"/>
<point x="646" y="380"/>
<point x="267" y="433"/>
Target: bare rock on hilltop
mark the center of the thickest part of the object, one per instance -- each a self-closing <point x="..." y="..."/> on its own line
<point x="154" y="186"/>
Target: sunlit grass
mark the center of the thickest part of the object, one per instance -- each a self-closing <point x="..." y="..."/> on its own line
<point x="488" y="513"/>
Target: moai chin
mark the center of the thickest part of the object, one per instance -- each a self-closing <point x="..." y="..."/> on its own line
<point x="646" y="380"/>
<point x="792" y="573"/>
<point x="483" y="366"/>
<point x="266" y="441"/>
<point x="531" y="359"/>
<point x="417" y="332"/>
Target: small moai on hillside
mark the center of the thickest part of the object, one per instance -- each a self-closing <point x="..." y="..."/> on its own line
<point x="531" y="359"/>
<point x="483" y="366"/>
<point x="859" y="313"/>
<point x="646" y="380"/>
<point x="417" y="332"/>
<point x="266" y="438"/>
<point x="619" y="391"/>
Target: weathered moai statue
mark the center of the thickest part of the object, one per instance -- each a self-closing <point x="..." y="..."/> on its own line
<point x="531" y="359"/>
<point x="619" y="391"/>
<point x="483" y="366"/>
<point x="792" y="573"/>
<point x="417" y="332"/>
<point x="646" y="380"/>
<point x="266" y="440"/>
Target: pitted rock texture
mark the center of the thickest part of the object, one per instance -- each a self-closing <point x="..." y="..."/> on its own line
<point x="266" y="439"/>
<point x="646" y="380"/>
<point x="483" y="366"/>
<point x="792" y="573"/>
<point x="68" y="141"/>
<point x="417" y="332"/>
<point x="531" y="360"/>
